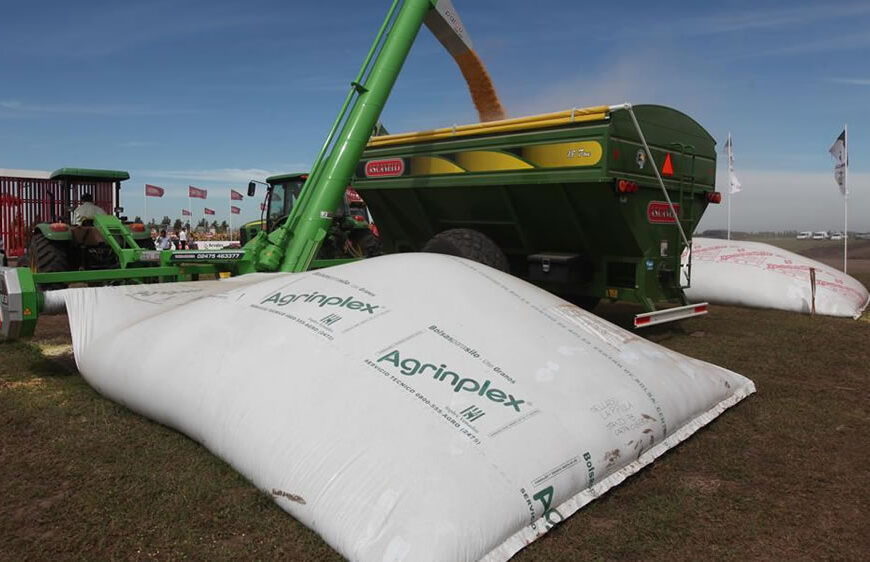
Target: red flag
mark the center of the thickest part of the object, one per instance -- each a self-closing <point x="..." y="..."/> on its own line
<point x="209" y="211"/>
<point x="235" y="210"/>
<point x="153" y="191"/>
<point x="197" y="192"/>
<point x="235" y="195"/>
<point x="185" y="213"/>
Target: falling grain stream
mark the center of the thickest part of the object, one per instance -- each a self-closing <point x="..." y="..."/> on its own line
<point x="480" y="85"/>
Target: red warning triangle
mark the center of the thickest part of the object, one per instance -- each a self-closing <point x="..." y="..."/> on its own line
<point x="668" y="166"/>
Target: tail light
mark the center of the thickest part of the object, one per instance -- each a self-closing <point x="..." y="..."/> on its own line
<point x="625" y="186"/>
<point x="59" y="227"/>
<point x="137" y="227"/>
<point x="359" y="218"/>
<point x="374" y="230"/>
<point x="714" y="197"/>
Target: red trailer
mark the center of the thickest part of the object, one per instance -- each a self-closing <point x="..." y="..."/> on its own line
<point x="41" y="197"/>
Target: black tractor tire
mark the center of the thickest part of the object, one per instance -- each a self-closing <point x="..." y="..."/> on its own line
<point x="362" y="243"/>
<point x="146" y="243"/>
<point x="468" y="244"/>
<point x="584" y="302"/>
<point x="47" y="256"/>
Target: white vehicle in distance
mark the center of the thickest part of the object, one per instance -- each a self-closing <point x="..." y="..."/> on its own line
<point x="820" y="235"/>
<point x="805" y="235"/>
<point x="836" y="236"/>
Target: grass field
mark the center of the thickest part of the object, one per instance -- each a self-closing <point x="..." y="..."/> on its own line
<point x="783" y="475"/>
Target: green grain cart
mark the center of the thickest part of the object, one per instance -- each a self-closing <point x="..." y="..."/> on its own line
<point x="578" y="202"/>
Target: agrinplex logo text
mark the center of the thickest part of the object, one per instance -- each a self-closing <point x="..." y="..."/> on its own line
<point x="409" y="367"/>
<point x="321" y="300"/>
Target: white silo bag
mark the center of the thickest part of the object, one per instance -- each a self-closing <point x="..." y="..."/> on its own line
<point x="409" y="407"/>
<point x="763" y="276"/>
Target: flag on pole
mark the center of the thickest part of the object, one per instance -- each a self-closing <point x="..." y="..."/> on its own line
<point x="185" y="213"/>
<point x="235" y="195"/>
<point x="153" y="191"/>
<point x="840" y="153"/>
<point x="208" y="211"/>
<point x="197" y="192"/>
<point x="734" y="183"/>
<point x="235" y="210"/>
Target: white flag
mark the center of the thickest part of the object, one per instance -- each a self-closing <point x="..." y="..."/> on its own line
<point x="840" y="154"/>
<point x="732" y="177"/>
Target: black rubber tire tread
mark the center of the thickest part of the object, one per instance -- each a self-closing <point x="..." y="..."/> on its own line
<point x="468" y="244"/>
<point x="362" y="243"/>
<point x="47" y="256"/>
<point x="585" y="302"/>
<point x="146" y="243"/>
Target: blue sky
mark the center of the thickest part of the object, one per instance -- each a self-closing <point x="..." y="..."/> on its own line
<point x="211" y="93"/>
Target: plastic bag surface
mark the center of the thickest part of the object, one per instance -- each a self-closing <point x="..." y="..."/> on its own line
<point x="759" y="275"/>
<point x="409" y="407"/>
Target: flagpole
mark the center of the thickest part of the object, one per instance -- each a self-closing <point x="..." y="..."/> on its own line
<point x="145" y="218"/>
<point x="730" y="153"/>
<point x="846" y="201"/>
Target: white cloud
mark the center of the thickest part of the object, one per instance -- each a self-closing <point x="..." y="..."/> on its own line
<point x="785" y="200"/>
<point x="843" y="42"/>
<point x="852" y="81"/>
<point x="227" y="175"/>
<point x="766" y="19"/>
<point x="136" y="144"/>
<point x="653" y="78"/>
<point x="20" y="109"/>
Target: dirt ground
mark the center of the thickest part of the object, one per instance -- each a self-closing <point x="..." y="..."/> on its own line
<point x="832" y="254"/>
<point x="781" y="476"/>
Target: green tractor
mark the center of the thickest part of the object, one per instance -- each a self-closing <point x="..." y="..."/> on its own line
<point x="350" y="236"/>
<point x="58" y="244"/>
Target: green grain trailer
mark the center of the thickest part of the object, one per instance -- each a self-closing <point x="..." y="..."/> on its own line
<point x="578" y="201"/>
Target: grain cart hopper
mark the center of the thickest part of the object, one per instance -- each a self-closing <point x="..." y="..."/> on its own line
<point x="293" y="246"/>
<point x="578" y="202"/>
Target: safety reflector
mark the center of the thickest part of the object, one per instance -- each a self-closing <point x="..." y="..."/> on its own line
<point x="668" y="166"/>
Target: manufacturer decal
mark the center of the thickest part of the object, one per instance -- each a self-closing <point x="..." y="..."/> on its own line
<point x="391" y="167"/>
<point x="206" y="256"/>
<point x="410" y="366"/>
<point x="640" y="158"/>
<point x="659" y="212"/>
<point x="283" y="299"/>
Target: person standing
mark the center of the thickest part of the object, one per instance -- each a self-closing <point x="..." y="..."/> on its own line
<point x="164" y="242"/>
<point x="182" y="239"/>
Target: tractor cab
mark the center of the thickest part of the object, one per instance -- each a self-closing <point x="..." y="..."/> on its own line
<point x="281" y="195"/>
<point x="79" y="223"/>
<point x="351" y="234"/>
